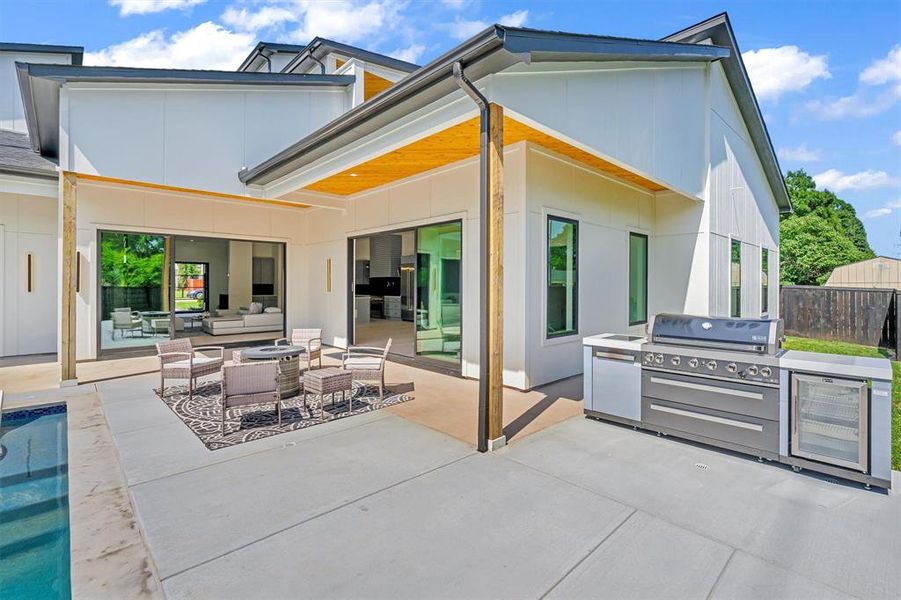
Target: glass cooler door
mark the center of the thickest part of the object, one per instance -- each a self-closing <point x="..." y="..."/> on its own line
<point x="829" y="420"/>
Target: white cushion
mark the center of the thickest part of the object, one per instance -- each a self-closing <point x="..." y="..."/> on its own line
<point x="272" y="309"/>
<point x="262" y="319"/>
<point x="255" y="308"/>
<point x="199" y="360"/>
<point x="363" y="363"/>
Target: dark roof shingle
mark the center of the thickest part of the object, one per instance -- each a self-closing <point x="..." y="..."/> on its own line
<point x="16" y="156"/>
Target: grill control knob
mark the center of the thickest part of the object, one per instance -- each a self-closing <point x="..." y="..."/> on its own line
<point x="732" y="367"/>
<point x="676" y="360"/>
<point x="752" y="370"/>
<point x="711" y="364"/>
<point x="658" y="359"/>
<point x="693" y="363"/>
<point x="649" y="358"/>
<point x="766" y="371"/>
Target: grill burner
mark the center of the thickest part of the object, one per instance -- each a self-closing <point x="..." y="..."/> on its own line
<point x="732" y="349"/>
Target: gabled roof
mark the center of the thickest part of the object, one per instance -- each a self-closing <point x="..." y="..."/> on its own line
<point x="315" y="52"/>
<point x="490" y="51"/>
<point x="718" y="30"/>
<point x="77" y="52"/>
<point x="264" y="50"/>
<point x="40" y="84"/>
<point x="17" y="157"/>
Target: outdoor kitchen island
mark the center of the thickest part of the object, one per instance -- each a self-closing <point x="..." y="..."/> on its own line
<point x="727" y="383"/>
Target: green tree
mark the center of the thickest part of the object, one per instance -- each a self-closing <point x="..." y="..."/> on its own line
<point x="811" y="248"/>
<point x="824" y="232"/>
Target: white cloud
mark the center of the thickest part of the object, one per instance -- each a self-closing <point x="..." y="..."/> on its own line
<point x="877" y="212"/>
<point x="410" y="54"/>
<point x="860" y="104"/>
<point x="800" y="154"/>
<point x="143" y="7"/>
<point x="884" y="70"/>
<point x="462" y="29"/>
<point x="267" y="16"/>
<point x="879" y="91"/>
<point x="883" y="211"/>
<point x="896" y="138"/>
<point x="776" y="71"/>
<point x="835" y="180"/>
<point x="346" y="20"/>
<point x="206" y="46"/>
<point x="454" y="4"/>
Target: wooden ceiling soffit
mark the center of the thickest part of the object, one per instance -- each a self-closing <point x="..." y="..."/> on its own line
<point x="454" y="144"/>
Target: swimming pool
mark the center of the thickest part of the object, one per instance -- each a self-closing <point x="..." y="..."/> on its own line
<point x="34" y="504"/>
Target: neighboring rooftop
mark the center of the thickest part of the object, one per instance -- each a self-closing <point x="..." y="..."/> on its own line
<point x="17" y="157"/>
<point x="316" y="51"/>
<point x="264" y="51"/>
<point x="77" y="52"/>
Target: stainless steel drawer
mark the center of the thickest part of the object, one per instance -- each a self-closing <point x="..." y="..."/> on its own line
<point x="742" y="430"/>
<point x="732" y="397"/>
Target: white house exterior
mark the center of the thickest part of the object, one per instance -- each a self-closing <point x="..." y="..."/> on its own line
<point x="620" y="142"/>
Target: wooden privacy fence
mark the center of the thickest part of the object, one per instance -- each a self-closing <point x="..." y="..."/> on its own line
<point x="859" y="315"/>
<point x="136" y="298"/>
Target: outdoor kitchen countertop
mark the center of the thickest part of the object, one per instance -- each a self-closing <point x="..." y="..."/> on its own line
<point x="838" y="365"/>
<point x="611" y="340"/>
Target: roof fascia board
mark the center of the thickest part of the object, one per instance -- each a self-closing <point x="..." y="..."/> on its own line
<point x="551" y="46"/>
<point x="31" y="185"/>
<point x="76" y="52"/>
<point x="66" y="73"/>
<point x="262" y="48"/>
<point x="718" y="29"/>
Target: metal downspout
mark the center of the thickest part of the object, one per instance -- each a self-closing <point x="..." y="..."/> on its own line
<point x="484" y="350"/>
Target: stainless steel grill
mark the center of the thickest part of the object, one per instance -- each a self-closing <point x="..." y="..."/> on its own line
<point x="713" y="380"/>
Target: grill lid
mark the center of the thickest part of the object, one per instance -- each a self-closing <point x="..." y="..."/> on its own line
<point x="746" y="335"/>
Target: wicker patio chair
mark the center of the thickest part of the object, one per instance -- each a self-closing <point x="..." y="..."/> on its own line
<point x="125" y="321"/>
<point x="367" y="364"/>
<point x="308" y="339"/>
<point x="250" y="383"/>
<point x="179" y="361"/>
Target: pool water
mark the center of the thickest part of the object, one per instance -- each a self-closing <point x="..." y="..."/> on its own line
<point x="34" y="504"/>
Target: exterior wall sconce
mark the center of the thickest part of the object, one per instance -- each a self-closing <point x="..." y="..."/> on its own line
<point x="29" y="272"/>
<point x="328" y="275"/>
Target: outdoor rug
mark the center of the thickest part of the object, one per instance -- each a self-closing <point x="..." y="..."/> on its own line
<point x="245" y="423"/>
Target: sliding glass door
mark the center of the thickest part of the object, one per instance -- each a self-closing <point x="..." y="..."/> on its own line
<point x="439" y="258"/>
<point x="134" y="289"/>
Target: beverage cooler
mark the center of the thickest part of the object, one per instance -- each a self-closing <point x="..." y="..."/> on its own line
<point x="829" y="420"/>
<point x="837" y="418"/>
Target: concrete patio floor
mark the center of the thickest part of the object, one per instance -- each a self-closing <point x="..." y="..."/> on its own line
<point x="378" y="506"/>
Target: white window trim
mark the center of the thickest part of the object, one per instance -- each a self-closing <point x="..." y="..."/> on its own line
<point x="630" y="230"/>
<point x="547" y="212"/>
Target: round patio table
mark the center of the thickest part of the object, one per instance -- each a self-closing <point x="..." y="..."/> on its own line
<point x="289" y="365"/>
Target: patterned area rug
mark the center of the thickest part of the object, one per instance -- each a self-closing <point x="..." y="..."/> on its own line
<point x="242" y="424"/>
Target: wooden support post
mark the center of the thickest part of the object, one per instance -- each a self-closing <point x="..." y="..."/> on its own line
<point x="492" y="248"/>
<point x="67" y="281"/>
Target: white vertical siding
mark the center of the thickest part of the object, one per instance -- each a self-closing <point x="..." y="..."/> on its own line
<point x="12" y="115"/>
<point x="188" y="136"/>
<point x="741" y="206"/>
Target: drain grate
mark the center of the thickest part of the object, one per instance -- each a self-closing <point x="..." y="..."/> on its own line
<point x="701" y="466"/>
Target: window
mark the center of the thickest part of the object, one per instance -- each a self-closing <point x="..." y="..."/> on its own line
<point x="191" y="289"/>
<point x="735" y="280"/>
<point x="562" y="276"/>
<point x="638" y="278"/>
<point x="764" y="281"/>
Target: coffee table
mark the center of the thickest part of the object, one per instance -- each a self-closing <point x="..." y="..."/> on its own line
<point x="323" y="382"/>
<point x="289" y="365"/>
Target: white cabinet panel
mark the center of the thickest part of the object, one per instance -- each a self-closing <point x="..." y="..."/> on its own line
<point x="37" y="316"/>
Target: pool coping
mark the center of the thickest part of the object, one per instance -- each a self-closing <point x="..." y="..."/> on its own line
<point x="109" y="556"/>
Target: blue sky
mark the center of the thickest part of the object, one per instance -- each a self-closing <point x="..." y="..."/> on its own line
<point x="827" y="74"/>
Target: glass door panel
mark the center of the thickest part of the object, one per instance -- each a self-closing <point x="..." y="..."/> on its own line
<point x="830" y="420"/>
<point x="134" y="289"/>
<point x="439" y="257"/>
